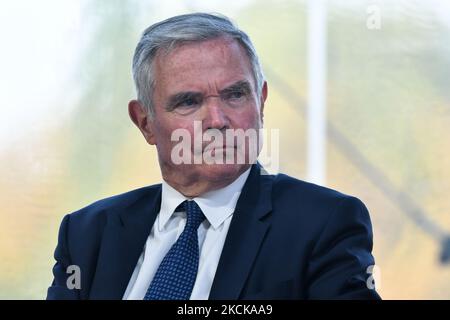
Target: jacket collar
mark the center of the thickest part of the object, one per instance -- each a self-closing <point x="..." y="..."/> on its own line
<point x="123" y="240"/>
<point x="245" y="236"/>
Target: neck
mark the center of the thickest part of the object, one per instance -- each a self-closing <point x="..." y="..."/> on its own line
<point x="195" y="184"/>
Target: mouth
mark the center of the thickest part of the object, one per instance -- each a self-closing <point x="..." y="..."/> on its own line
<point x="216" y="148"/>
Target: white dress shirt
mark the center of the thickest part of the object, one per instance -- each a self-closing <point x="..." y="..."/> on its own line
<point x="217" y="206"/>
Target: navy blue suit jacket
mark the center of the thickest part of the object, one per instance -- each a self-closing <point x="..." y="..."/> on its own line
<point x="288" y="239"/>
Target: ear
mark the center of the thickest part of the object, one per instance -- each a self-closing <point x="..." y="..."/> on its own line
<point x="264" y="92"/>
<point x="141" y="119"/>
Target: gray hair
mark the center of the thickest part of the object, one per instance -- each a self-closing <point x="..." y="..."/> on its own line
<point x="178" y="30"/>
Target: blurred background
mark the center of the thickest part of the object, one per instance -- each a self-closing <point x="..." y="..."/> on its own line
<point x="383" y="91"/>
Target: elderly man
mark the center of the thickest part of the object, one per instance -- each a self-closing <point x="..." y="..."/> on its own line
<point x="213" y="229"/>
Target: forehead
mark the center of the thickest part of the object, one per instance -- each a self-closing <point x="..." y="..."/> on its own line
<point x="217" y="62"/>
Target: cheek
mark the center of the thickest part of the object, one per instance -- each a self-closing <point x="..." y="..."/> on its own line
<point x="165" y="132"/>
<point x="249" y="119"/>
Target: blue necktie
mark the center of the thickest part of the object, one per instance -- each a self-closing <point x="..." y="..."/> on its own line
<point x="177" y="272"/>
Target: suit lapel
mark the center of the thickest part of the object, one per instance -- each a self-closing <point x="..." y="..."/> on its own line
<point x="245" y="236"/>
<point x="124" y="236"/>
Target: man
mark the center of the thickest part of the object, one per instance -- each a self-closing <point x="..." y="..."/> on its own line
<point x="211" y="230"/>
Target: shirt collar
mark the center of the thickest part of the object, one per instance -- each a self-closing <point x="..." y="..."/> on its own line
<point x="216" y="205"/>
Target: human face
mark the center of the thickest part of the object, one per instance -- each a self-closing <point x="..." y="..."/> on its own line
<point x="211" y="82"/>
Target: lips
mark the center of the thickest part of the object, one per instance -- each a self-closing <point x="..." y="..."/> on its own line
<point x="208" y="148"/>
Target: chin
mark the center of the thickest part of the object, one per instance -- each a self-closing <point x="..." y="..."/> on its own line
<point x="221" y="171"/>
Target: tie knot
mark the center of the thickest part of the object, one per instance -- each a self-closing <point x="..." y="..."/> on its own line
<point x="194" y="214"/>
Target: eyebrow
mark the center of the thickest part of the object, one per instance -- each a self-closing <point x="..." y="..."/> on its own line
<point x="176" y="98"/>
<point x="240" y="85"/>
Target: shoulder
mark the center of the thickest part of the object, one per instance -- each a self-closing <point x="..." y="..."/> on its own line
<point x="313" y="203"/>
<point x="97" y="211"/>
<point x="302" y="192"/>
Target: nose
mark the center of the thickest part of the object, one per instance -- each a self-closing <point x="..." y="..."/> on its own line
<point x="215" y="117"/>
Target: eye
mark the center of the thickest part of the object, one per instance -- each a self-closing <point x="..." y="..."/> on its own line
<point x="188" y="102"/>
<point x="235" y="95"/>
